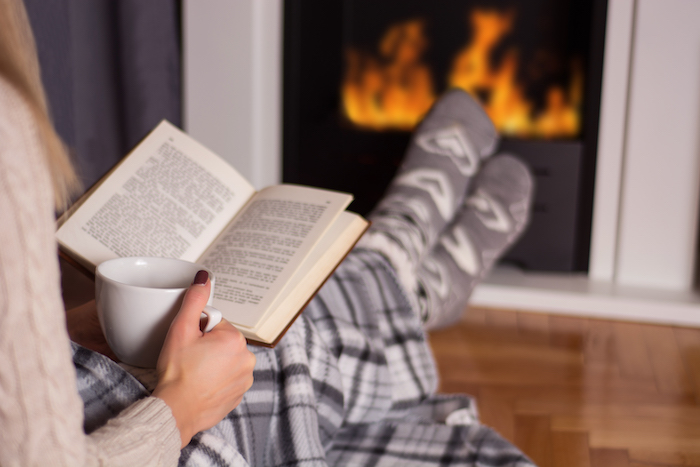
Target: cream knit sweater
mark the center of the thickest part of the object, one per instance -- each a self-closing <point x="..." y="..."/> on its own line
<point x="41" y="412"/>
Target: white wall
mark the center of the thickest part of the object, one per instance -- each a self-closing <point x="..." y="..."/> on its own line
<point x="232" y="82"/>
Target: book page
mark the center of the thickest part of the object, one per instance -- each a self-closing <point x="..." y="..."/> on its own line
<point x="311" y="275"/>
<point x="266" y="243"/>
<point x="171" y="197"/>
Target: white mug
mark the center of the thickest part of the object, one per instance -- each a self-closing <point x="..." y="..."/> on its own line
<point x="137" y="299"/>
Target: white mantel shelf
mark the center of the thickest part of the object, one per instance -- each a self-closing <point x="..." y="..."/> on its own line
<point x="578" y="295"/>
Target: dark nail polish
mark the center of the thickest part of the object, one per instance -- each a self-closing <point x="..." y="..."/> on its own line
<point x="201" y="278"/>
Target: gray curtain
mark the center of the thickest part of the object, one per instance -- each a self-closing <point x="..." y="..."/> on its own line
<point x="111" y="69"/>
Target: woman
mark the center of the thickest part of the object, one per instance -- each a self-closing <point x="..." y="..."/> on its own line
<point x="352" y="382"/>
<point x="41" y="413"/>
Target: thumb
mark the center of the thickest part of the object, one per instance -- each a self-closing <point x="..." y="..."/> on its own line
<point x="186" y="323"/>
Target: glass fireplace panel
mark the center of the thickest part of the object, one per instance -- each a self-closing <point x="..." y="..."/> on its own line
<point x="524" y="62"/>
<point x="360" y="74"/>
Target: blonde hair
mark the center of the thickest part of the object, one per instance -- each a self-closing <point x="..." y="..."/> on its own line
<point x="19" y="65"/>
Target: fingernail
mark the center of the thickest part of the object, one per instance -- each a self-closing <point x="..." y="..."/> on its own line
<point x="201" y="278"/>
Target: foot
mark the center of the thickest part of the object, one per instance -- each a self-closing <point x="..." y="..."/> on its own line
<point x="445" y="153"/>
<point x="487" y="224"/>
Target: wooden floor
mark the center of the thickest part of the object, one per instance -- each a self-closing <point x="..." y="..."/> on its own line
<point x="579" y="392"/>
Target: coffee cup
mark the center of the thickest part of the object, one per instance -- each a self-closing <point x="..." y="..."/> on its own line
<point x="137" y="299"/>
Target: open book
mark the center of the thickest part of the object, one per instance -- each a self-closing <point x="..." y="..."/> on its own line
<point x="270" y="250"/>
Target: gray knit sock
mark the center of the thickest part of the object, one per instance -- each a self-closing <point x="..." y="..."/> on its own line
<point x="489" y="221"/>
<point x="444" y="153"/>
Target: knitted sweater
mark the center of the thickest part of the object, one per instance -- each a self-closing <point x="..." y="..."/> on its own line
<point x="41" y="413"/>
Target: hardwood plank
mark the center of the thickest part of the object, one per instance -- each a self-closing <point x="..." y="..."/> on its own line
<point x="648" y="456"/>
<point x="566" y="332"/>
<point x="558" y="399"/>
<point x="666" y="360"/>
<point x="601" y="394"/>
<point x="509" y="350"/>
<point x="689" y="344"/>
<point x="496" y="411"/>
<point x="681" y="415"/>
<point x="534" y="327"/>
<point x="501" y="319"/>
<point x="609" y="458"/>
<point x="673" y="428"/>
<point x="485" y="334"/>
<point x="474" y="315"/>
<point x="657" y="441"/>
<point x="631" y="351"/>
<point x="570" y="450"/>
<point x="533" y="436"/>
<point x="599" y="345"/>
<point x="541" y="374"/>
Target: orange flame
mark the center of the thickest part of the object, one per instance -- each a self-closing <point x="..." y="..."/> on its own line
<point x="396" y="90"/>
<point x="512" y="113"/>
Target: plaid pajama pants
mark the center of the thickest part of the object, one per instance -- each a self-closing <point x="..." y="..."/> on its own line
<point x="352" y="383"/>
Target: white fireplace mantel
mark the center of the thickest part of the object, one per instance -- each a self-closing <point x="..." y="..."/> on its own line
<point x="643" y="250"/>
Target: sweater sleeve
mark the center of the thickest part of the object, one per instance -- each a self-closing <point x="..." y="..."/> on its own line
<point x="41" y="413"/>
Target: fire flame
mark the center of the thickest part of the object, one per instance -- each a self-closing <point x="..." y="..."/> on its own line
<point x="396" y="90"/>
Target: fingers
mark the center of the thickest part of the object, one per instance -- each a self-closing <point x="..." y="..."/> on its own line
<point x="203" y="378"/>
<point x="186" y="323"/>
<point x="232" y="337"/>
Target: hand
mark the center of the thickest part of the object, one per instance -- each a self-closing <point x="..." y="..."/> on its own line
<point x="84" y="329"/>
<point x="202" y="377"/>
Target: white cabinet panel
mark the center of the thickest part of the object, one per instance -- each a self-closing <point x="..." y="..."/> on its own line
<point x="659" y="209"/>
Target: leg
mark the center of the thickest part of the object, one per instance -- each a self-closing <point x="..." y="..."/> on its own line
<point x="444" y="154"/>
<point x="488" y="222"/>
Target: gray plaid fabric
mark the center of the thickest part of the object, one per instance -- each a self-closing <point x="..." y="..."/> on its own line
<point x="352" y="383"/>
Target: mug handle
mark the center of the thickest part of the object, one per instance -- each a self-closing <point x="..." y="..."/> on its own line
<point x="213" y="317"/>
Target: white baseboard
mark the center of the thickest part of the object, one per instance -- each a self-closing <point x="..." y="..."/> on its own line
<point x="580" y="296"/>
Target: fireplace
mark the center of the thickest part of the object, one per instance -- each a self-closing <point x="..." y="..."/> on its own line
<point x="359" y="75"/>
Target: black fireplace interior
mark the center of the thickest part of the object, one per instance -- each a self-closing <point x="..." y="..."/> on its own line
<point x="359" y="75"/>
